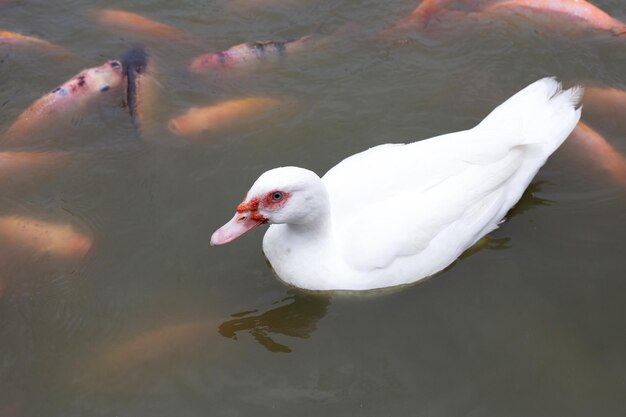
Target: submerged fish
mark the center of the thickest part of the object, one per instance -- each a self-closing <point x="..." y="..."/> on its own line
<point x="220" y="116"/>
<point x="596" y="148"/>
<point x="12" y="37"/>
<point x="68" y="97"/>
<point x="430" y="10"/>
<point x="138" y="356"/>
<point x="568" y="15"/>
<point x="606" y="106"/>
<point x="132" y="22"/>
<point x="43" y="237"/>
<point x="17" y="167"/>
<point x="579" y="12"/>
<point x="246" y="54"/>
<point x="135" y="66"/>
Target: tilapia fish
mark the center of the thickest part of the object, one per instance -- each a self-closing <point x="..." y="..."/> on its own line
<point x="135" y="65"/>
<point x="246" y="54"/>
<point x="8" y="38"/>
<point x="67" y="98"/>
<point x="122" y="20"/>
<point x="564" y="13"/>
<point x="221" y="116"/>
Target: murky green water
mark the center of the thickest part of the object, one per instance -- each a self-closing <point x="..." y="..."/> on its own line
<point x="155" y="322"/>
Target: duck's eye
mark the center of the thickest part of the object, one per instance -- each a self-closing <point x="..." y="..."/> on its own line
<point x="115" y="64"/>
<point x="277" y="196"/>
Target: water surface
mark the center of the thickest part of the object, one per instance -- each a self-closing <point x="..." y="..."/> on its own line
<point x="155" y="322"/>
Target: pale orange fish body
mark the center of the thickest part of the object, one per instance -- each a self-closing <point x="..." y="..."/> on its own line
<point x="605" y="106"/>
<point x="246" y="54"/>
<point x="147" y="350"/>
<point x="422" y="14"/>
<point x="119" y="19"/>
<point x="43" y="237"/>
<point x="598" y="149"/>
<point x="76" y="92"/>
<point x="14" y="166"/>
<point x="12" y="37"/>
<point x="13" y="161"/>
<point x="220" y="116"/>
<point x="429" y="10"/>
<point x="3" y="287"/>
<point x="580" y="11"/>
<point x="605" y="96"/>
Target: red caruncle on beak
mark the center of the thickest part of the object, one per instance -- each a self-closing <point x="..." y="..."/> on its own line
<point x="246" y="218"/>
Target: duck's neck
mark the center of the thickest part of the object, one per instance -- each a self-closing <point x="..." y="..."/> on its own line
<point x="317" y="224"/>
<point x="301" y="251"/>
<point x="318" y="229"/>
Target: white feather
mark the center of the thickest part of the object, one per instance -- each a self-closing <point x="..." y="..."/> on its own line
<point x="395" y="214"/>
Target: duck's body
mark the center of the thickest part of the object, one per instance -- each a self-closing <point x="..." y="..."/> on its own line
<point x="395" y="214"/>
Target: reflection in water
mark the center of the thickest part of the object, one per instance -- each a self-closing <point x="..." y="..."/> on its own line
<point x="140" y="357"/>
<point x="296" y="319"/>
<point x="528" y="201"/>
<point x="300" y="316"/>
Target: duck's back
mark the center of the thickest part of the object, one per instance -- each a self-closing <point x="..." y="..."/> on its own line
<point x="432" y="199"/>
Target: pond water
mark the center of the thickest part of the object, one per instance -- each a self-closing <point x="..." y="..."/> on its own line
<point x="154" y="321"/>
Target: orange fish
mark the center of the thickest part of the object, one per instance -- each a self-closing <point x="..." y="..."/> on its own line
<point x="221" y="116"/>
<point x="17" y="166"/>
<point x="3" y="288"/>
<point x="132" y="22"/>
<point x="422" y="14"/>
<point x="246" y="54"/>
<point x="12" y="37"/>
<point x="68" y="98"/>
<point x="564" y="12"/>
<point x="146" y="351"/>
<point x="43" y="237"/>
<point x="431" y="10"/>
<point x="606" y="106"/>
<point x="598" y="149"/>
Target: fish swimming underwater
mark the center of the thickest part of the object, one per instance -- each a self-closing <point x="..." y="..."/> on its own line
<point x="596" y="148"/>
<point x="606" y="106"/>
<point x="135" y="67"/>
<point x="569" y="15"/>
<point x="132" y="22"/>
<point x="8" y="38"/>
<point x="18" y="168"/>
<point x="221" y="116"/>
<point x="55" y="239"/>
<point x="67" y="98"/>
<point x="247" y="54"/>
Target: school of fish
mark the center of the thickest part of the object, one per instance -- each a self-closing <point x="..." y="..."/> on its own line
<point x="132" y="78"/>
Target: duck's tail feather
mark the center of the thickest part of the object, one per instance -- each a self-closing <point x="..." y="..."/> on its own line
<point x="542" y="113"/>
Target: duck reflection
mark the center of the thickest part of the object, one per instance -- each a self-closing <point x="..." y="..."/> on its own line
<point x="528" y="201"/>
<point x="296" y="316"/>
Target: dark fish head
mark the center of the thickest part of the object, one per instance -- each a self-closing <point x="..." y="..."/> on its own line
<point x="134" y="64"/>
<point x="135" y="60"/>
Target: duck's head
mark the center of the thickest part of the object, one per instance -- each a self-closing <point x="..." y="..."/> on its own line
<point x="282" y="195"/>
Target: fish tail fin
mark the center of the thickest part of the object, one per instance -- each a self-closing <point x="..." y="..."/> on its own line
<point x="619" y="31"/>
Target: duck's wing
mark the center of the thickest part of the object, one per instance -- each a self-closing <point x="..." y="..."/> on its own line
<point x="395" y="200"/>
<point x="384" y="172"/>
<point x="465" y="203"/>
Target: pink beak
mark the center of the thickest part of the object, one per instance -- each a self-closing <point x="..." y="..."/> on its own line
<point x="237" y="226"/>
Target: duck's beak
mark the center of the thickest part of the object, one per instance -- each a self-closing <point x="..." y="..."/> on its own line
<point x="237" y="226"/>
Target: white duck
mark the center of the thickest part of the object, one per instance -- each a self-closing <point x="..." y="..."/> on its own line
<point x="397" y="213"/>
